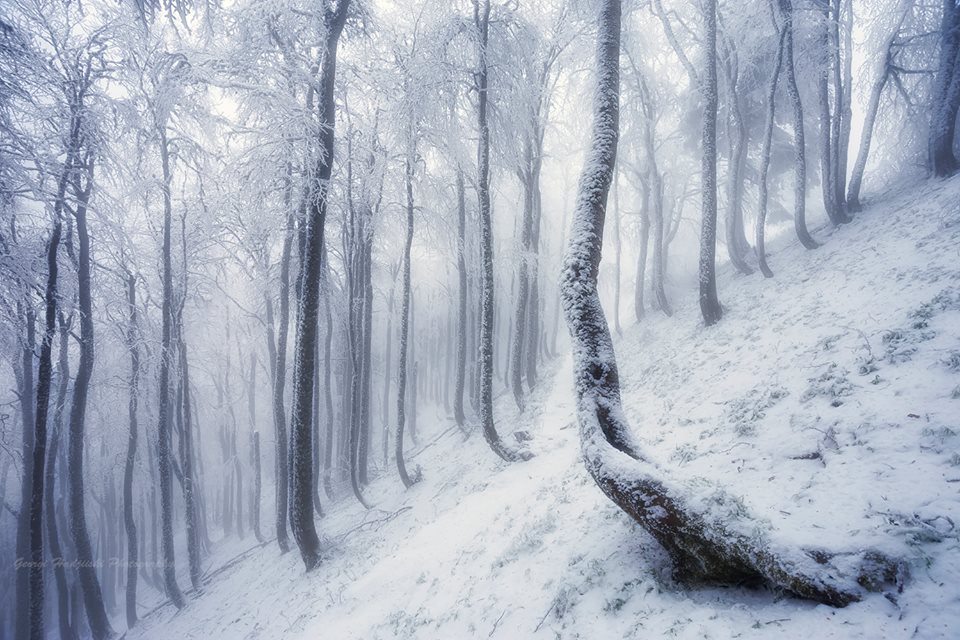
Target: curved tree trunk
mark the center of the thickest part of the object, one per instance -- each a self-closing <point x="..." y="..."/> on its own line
<point x="702" y="545"/>
<point x="870" y="119"/>
<point x="873" y="107"/>
<point x="709" y="304"/>
<point x="799" y="150"/>
<point x="765" y="157"/>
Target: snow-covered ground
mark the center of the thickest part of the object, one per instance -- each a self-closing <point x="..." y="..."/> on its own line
<point x="828" y="399"/>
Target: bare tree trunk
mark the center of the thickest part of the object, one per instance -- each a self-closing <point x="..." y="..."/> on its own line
<point x="164" y="424"/>
<point x="405" y="477"/>
<point x="257" y="486"/>
<point x="709" y="304"/>
<point x="301" y="440"/>
<point x="53" y="529"/>
<point x="327" y="364"/>
<point x="22" y="612"/>
<point x="92" y="595"/>
<point x="481" y="18"/>
<point x="186" y="437"/>
<point x="946" y="96"/>
<point x="44" y="383"/>
<point x="462" y="301"/>
<point x="617" y="251"/>
<point x="826" y="122"/>
<point x="873" y="107"/>
<point x="765" y="156"/>
<point x="278" y="359"/>
<point x="799" y="149"/>
<point x="519" y="327"/>
<point x="701" y="545"/>
<point x="638" y="309"/>
<point x="133" y="346"/>
<point x="846" y="105"/>
<point x="534" y="329"/>
<point x="738" y="141"/>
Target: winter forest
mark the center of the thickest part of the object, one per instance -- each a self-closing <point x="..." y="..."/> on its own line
<point x="479" y="318"/>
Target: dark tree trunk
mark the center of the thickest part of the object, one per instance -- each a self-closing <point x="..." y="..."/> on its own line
<point x="799" y="148"/>
<point x="92" y="595"/>
<point x="481" y="18"/>
<point x="257" y="486"/>
<point x="27" y="394"/>
<point x="133" y="346"/>
<point x="765" y="156"/>
<point x="301" y="440"/>
<point x="946" y="94"/>
<point x="53" y="529"/>
<point x="44" y="383"/>
<point x="701" y="545"/>
<point x="164" y="419"/>
<point x="709" y="304"/>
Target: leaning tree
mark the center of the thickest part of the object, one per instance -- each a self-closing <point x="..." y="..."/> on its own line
<point x="707" y="537"/>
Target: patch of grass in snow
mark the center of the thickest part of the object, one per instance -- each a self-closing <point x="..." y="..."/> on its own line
<point x="744" y="413"/>
<point x="833" y="384"/>
<point x="952" y="361"/>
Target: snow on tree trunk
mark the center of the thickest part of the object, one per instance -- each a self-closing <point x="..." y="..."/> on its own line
<point x="90" y="586"/>
<point x="164" y="460"/>
<point x="708" y="537"/>
<point x="481" y="17"/>
<point x="133" y="346"/>
<point x="765" y="155"/>
<point x="44" y="383"/>
<point x="517" y="363"/>
<point x="402" y="366"/>
<point x="50" y="500"/>
<point x="709" y="304"/>
<point x="301" y="433"/>
<point x="638" y="309"/>
<point x="799" y="144"/>
<point x="461" y="367"/>
<point x="946" y="95"/>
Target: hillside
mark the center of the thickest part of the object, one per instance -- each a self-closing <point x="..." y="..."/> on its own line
<point x="828" y="400"/>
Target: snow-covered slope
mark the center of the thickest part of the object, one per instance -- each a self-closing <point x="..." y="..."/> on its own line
<point x="828" y="399"/>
